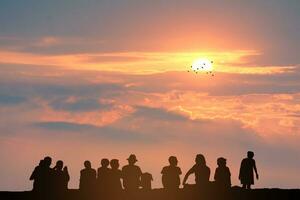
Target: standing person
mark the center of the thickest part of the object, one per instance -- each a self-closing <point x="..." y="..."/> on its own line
<point x="131" y="174"/>
<point x="171" y="174"/>
<point x="222" y="175"/>
<point x="87" y="178"/>
<point x="103" y="173"/>
<point x="201" y="171"/>
<point x="246" y="175"/>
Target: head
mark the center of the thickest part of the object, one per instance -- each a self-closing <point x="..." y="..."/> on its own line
<point x="87" y="164"/>
<point x="47" y="161"/>
<point x="250" y="154"/>
<point x="114" y="163"/>
<point x="200" y="159"/>
<point x="104" y="162"/>
<point x="132" y="159"/>
<point x="59" y="164"/>
<point x="221" y="162"/>
<point x="173" y="161"/>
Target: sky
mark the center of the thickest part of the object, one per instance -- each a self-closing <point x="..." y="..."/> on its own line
<point x="91" y="79"/>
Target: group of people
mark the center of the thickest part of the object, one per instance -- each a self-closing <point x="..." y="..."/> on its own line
<point x="49" y="180"/>
<point x="109" y="177"/>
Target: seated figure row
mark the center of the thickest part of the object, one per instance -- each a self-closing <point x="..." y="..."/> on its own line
<point x="110" y="178"/>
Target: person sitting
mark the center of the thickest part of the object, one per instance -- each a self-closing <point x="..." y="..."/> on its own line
<point x="246" y="171"/>
<point x="131" y="174"/>
<point x="87" y="178"/>
<point x="115" y="176"/>
<point x="36" y="176"/>
<point x="103" y="175"/>
<point x="146" y="179"/>
<point x="201" y="171"/>
<point x="60" y="179"/>
<point x="222" y="175"/>
<point x="171" y="174"/>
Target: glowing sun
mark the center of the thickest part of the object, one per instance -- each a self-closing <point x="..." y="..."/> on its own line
<point x="202" y="64"/>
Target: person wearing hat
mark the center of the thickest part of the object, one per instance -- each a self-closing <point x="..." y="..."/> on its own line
<point x="222" y="174"/>
<point x="131" y="174"/>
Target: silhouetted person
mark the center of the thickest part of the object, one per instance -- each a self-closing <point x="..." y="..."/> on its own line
<point x="87" y="178"/>
<point x="146" y="179"/>
<point x="36" y="177"/>
<point x="131" y="174"/>
<point x="171" y="174"/>
<point x="115" y="176"/>
<point x="103" y="173"/>
<point x="222" y="175"/>
<point x="201" y="171"/>
<point x="246" y="175"/>
<point x="61" y="178"/>
<point x="43" y="178"/>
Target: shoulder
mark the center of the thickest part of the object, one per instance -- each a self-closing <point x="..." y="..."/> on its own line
<point x="164" y="169"/>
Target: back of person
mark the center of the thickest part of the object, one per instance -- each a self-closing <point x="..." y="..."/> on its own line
<point x="115" y="179"/>
<point x="146" y="180"/>
<point x="202" y="174"/>
<point x="170" y="177"/>
<point x="61" y="179"/>
<point x="103" y="177"/>
<point x="222" y="177"/>
<point x="131" y="177"/>
<point x="87" y="179"/>
<point x="246" y="171"/>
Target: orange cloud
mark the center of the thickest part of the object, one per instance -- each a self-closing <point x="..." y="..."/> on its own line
<point x="140" y="62"/>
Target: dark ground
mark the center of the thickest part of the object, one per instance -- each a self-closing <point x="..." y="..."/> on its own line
<point x="183" y="194"/>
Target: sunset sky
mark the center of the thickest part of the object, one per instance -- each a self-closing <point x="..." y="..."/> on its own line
<point x="92" y="79"/>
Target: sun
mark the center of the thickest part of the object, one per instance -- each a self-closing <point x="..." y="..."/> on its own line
<point x="202" y="64"/>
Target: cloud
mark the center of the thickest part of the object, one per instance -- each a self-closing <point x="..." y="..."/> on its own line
<point x="80" y="105"/>
<point x="94" y="132"/>
<point x="151" y="113"/>
<point x="6" y="100"/>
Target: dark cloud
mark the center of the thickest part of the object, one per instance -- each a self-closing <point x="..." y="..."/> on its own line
<point x="92" y="132"/>
<point x="152" y="113"/>
<point x="7" y="100"/>
<point x="81" y="105"/>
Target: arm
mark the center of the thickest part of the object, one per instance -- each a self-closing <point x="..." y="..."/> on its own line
<point x="187" y="175"/>
<point x="241" y="169"/>
<point x="215" y="176"/>
<point x="255" y="169"/>
<point x="33" y="175"/>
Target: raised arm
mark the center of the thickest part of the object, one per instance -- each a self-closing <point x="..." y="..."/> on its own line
<point x="187" y="175"/>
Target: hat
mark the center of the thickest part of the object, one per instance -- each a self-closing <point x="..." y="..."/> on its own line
<point x="132" y="157"/>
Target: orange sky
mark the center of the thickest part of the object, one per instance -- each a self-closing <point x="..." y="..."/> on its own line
<point x="107" y="79"/>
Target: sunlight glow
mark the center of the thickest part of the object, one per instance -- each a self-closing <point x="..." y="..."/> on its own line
<point x="202" y="64"/>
